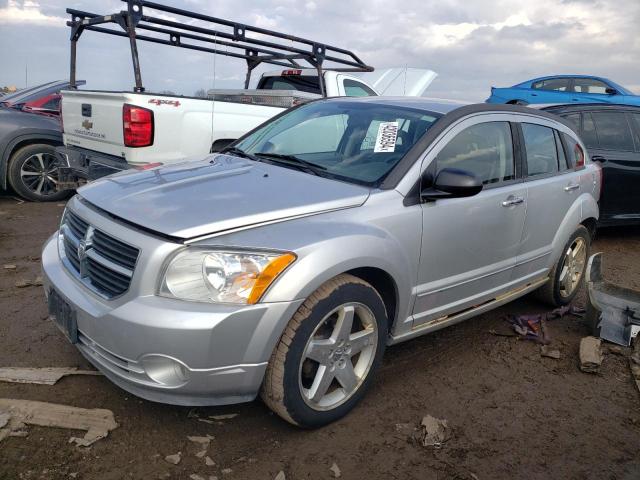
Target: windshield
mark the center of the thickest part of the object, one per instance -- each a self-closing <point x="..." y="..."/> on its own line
<point x="359" y="142"/>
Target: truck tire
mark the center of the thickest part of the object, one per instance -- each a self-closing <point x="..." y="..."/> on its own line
<point x="321" y="368"/>
<point x="567" y="275"/>
<point x="32" y="173"/>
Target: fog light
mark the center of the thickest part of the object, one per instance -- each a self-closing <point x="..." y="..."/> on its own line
<point x="165" y="370"/>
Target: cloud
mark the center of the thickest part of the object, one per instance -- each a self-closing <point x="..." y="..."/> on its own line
<point x="28" y="13"/>
<point x="472" y="44"/>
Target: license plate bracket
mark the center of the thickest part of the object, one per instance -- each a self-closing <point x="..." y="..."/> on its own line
<point x="63" y="316"/>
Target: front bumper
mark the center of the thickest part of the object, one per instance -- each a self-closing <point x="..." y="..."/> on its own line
<point x="167" y="350"/>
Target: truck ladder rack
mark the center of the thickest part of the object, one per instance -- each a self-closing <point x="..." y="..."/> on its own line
<point x="253" y="44"/>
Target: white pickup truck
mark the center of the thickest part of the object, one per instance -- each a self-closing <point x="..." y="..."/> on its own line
<point x="105" y="132"/>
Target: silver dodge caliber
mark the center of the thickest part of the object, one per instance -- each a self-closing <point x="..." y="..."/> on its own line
<point x="284" y="265"/>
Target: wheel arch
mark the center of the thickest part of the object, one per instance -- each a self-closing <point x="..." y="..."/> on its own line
<point x="385" y="285"/>
<point x="19" y="142"/>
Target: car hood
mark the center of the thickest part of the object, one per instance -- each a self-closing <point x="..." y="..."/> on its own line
<point x="217" y="194"/>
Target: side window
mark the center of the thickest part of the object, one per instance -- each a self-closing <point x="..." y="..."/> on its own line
<point x="575" y="152"/>
<point x="636" y="120"/>
<point x="613" y="130"/>
<point x="485" y="150"/>
<point x="540" y="146"/>
<point x="588" y="132"/>
<point x="357" y="89"/>
<point x="563" y="164"/>
<point x="556" y="84"/>
<point x="589" y="85"/>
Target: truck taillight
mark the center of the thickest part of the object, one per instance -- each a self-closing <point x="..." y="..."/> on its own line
<point x="137" y="125"/>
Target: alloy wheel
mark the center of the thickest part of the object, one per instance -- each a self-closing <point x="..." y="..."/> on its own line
<point x="39" y="173"/>
<point x="338" y="356"/>
<point x="573" y="267"/>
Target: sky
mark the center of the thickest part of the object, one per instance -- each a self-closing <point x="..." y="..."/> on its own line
<point x="471" y="44"/>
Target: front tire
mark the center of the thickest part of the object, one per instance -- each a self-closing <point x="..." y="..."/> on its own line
<point x="567" y="275"/>
<point x="33" y="173"/>
<point x="328" y="354"/>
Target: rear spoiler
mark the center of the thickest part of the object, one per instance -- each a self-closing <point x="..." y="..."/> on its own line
<point x="255" y="45"/>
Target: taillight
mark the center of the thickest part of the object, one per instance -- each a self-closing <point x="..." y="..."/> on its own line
<point x="579" y="156"/>
<point x="137" y="125"/>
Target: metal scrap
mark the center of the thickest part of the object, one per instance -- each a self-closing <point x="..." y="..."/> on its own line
<point x="96" y="421"/>
<point x="533" y="327"/>
<point x="41" y="376"/>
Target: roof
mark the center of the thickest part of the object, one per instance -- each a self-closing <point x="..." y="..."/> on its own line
<point x="434" y="105"/>
<point x="578" y="107"/>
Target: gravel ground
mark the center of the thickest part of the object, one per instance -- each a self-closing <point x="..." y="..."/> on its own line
<point x="513" y="413"/>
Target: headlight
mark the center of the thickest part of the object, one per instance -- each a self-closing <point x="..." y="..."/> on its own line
<point x="222" y="276"/>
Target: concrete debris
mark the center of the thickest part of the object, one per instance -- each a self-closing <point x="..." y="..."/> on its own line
<point x="205" y="441"/>
<point x="194" y="476"/>
<point x="29" y="283"/>
<point x="226" y="471"/>
<point x="280" y="476"/>
<point x="4" y="419"/>
<point x="173" y="459"/>
<point x="204" y="420"/>
<point x="201" y="453"/>
<point x="546" y="351"/>
<point x="335" y="470"/>
<point x="435" y="432"/>
<point x="42" y="376"/>
<point x="635" y="371"/>
<point x="97" y="422"/>
<point x="9" y="266"/>
<point x="208" y="461"/>
<point x="223" y="417"/>
<point x="590" y="354"/>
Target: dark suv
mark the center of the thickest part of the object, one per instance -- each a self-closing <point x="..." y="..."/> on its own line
<point x="612" y="136"/>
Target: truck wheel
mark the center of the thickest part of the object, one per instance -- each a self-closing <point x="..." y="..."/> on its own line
<point x="33" y="173"/>
<point x="567" y="276"/>
<point x="328" y="353"/>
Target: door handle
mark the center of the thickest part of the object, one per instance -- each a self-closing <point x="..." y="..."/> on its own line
<point x="598" y="158"/>
<point x="571" y="187"/>
<point x="512" y="201"/>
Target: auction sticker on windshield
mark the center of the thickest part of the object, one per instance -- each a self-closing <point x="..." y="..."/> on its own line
<point x="387" y="137"/>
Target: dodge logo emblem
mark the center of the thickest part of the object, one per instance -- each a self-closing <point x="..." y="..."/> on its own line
<point x="87" y="125"/>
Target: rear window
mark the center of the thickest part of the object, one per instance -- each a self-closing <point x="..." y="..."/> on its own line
<point x="540" y="146"/>
<point x="302" y="83"/>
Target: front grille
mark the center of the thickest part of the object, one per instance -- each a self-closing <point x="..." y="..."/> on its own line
<point x="102" y="262"/>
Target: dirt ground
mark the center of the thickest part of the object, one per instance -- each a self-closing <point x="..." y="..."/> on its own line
<point x="514" y="414"/>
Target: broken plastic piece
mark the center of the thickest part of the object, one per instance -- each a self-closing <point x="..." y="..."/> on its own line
<point x="96" y="421"/>
<point x="42" y="376"/>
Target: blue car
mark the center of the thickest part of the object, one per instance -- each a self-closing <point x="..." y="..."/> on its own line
<point x="565" y="89"/>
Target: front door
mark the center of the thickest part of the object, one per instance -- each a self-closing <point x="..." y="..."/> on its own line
<point x="469" y="245"/>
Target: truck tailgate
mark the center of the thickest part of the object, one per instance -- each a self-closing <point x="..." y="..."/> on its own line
<point x="93" y="120"/>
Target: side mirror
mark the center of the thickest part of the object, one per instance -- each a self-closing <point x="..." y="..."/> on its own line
<point x="610" y="91"/>
<point x="452" y="183"/>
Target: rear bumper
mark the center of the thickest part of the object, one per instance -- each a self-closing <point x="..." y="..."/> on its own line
<point x="79" y="166"/>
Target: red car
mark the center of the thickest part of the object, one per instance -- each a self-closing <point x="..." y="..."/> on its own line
<point x="44" y="99"/>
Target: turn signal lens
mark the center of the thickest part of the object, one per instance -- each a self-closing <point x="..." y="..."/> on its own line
<point x="268" y="275"/>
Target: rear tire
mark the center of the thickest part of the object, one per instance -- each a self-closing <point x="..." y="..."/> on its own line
<point x="328" y="354"/>
<point x="33" y="173"/>
<point x="567" y="276"/>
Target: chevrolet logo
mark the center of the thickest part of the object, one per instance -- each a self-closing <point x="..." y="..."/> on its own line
<point x="84" y="245"/>
<point x="87" y="125"/>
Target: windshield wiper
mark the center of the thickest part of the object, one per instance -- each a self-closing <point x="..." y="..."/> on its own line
<point x="294" y="161"/>
<point x="238" y="152"/>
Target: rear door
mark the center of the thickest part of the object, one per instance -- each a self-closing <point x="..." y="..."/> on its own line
<point x="613" y="140"/>
<point x="469" y="245"/>
<point x="552" y="187"/>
